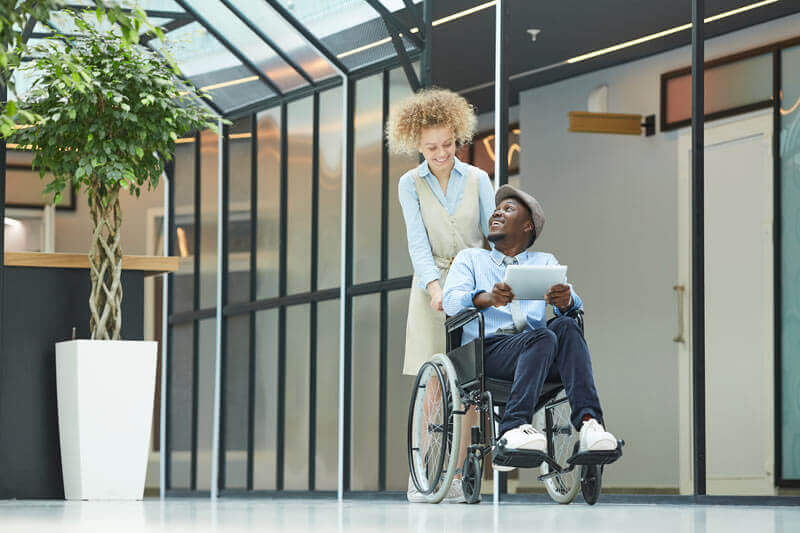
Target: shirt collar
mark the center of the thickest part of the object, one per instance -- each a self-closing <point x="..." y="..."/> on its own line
<point x="497" y="256"/>
<point x="459" y="167"/>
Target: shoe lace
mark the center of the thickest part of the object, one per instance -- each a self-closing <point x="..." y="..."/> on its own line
<point x="593" y="425"/>
<point x="529" y="429"/>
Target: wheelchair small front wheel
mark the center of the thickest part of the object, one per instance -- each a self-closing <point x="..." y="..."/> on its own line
<point x="591" y="481"/>
<point x="434" y="428"/>
<point x="471" y="478"/>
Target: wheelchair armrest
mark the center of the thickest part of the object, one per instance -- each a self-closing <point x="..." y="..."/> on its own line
<point x="462" y="319"/>
<point x="577" y="315"/>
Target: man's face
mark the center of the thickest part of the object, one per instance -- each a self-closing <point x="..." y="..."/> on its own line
<point x="511" y="222"/>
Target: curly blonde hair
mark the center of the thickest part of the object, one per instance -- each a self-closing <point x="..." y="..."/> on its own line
<point x="429" y="108"/>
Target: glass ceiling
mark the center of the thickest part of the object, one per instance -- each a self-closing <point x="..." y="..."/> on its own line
<point x="242" y="52"/>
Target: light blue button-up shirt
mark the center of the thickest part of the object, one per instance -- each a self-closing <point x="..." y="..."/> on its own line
<point x="419" y="247"/>
<point x="474" y="271"/>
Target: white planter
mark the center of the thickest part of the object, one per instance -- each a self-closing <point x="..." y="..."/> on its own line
<point x="105" y="409"/>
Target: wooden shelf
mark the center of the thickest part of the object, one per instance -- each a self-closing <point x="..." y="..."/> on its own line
<point x="150" y="264"/>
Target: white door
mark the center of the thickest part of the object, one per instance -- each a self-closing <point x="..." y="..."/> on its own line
<point x="738" y="306"/>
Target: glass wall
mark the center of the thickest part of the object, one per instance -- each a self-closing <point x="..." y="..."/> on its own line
<point x="790" y="262"/>
<point x="282" y="228"/>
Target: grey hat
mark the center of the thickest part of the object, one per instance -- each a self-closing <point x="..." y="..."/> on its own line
<point x="537" y="213"/>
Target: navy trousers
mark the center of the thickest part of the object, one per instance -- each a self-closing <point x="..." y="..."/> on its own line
<point x="532" y="357"/>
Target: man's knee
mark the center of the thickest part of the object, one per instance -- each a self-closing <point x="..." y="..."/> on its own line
<point x="564" y="325"/>
<point x="540" y="340"/>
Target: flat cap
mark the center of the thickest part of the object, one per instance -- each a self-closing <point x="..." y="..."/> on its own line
<point x="537" y="213"/>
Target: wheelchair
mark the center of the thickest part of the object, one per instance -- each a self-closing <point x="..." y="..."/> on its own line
<point x="448" y="385"/>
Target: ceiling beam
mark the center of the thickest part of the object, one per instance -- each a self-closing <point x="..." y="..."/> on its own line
<point x="269" y="42"/>
<point x="231" y="48"/>
<point x="307" y="35"/>
<point x="390" y="20"/>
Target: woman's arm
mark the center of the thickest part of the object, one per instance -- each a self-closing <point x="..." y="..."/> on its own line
<point x="419" y="248"/>
<point x="486" y="200"/>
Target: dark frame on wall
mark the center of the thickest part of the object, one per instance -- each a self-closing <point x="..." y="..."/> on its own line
<point x="773" y="49"/>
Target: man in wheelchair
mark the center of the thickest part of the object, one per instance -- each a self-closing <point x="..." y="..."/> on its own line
<point x="520" y="346"/>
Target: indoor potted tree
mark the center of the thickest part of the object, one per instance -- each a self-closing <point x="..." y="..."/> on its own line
<point x="106" y="115"/>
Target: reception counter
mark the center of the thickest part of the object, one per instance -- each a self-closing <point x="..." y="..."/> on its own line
<point x="45" y="296"/>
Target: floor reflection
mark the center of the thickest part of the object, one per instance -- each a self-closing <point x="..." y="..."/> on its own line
<point x="199" y="516"/>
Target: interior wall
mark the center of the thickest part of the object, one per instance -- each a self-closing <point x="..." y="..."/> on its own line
<point x="74" y="232"/>
<point x="611" y="206"/>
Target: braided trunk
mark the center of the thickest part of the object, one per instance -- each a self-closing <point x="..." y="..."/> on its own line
<point x="105" y="264"/>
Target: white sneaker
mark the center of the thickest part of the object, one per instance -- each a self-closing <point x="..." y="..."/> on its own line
<point x="413" y="495"/>
<point x="456" y="492"/>
<point x="524" y="437"/>
<point x="454" y="495"/>
<point x="596" y="439"/>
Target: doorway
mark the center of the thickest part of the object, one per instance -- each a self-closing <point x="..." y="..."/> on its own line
<point x="738" y="307"/>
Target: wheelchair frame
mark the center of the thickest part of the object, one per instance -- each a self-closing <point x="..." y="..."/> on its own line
<point x="468" y="361"/>
<point x="469" y="386"/>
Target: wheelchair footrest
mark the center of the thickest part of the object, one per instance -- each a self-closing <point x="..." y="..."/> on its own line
<point x="517" y="458"/>
<point x="596" y="458"/>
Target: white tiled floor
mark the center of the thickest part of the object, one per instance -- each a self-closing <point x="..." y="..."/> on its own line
<point x="198" y="516"/>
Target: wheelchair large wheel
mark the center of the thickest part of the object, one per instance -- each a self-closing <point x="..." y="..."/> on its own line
<point x="434" y="428"/>
<point x="562" y="488"/>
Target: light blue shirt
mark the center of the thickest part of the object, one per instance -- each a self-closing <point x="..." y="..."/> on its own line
<point x="474" y="271"/>
<point x="419" y="247"/>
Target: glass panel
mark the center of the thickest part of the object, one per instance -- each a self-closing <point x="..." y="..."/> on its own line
<point x="364" y="393"/>
<point x="286" y="37"/>
<point x="298" y="215"/>
<point x="239" y="179"/>
<point x="399" y="260"/>
<point x="351" y="29"/>
<point x="209" y="165"/>
<point x="327" y="395"/>
<point x="368" y="143"/>
<point x="180" y="403"/>
<point x="330" y="189"/>
<point x="297" y="406"/>
<point x="790" y="258"/>
<point x="236" y="404"/>
<point x="211" y="67"/>
<point x="726" y="87"/>
<point x="183" y="280"/>
<point x="249" y="44"/>
<point x="398" y="393"/>
<point x="266" y="400"/>
<point x="205" y="400"/>
<point x="269" y="194"/>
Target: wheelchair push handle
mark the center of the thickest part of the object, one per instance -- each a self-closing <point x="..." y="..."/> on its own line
<point x="463" y="318"/>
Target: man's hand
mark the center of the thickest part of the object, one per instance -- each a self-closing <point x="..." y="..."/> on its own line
<point x="501" y="294"/>
<point x="559" y="295"/>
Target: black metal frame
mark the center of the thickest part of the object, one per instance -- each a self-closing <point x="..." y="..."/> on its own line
<point x="698" y="251"/>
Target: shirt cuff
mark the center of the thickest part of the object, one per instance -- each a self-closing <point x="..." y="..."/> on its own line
<point x="424" y="280"/>
<point x="470" y="297"/>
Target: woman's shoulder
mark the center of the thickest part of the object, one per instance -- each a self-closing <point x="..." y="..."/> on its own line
<point x="406" y="182"/>
<point x="477" y="171"/>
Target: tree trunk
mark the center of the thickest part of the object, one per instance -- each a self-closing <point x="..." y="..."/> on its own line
<point x="105" y="264"/>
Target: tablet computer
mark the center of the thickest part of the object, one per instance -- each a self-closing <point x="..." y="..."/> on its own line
<point x="531" y="282"/>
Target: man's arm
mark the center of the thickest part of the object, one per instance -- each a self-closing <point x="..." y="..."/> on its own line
<point x="459" y="288"/>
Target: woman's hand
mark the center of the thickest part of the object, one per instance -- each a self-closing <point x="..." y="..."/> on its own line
<point x="435" y="290"/>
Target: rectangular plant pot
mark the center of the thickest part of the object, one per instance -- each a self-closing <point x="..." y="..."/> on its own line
<point x="105" y="407"/>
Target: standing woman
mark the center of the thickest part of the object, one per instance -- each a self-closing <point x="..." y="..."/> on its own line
<point x="446" y="205"/>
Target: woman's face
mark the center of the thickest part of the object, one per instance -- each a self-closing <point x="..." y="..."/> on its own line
<point x="438" y="146"/>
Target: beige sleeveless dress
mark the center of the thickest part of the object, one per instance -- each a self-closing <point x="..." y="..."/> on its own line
<point x="448" y="234"/>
